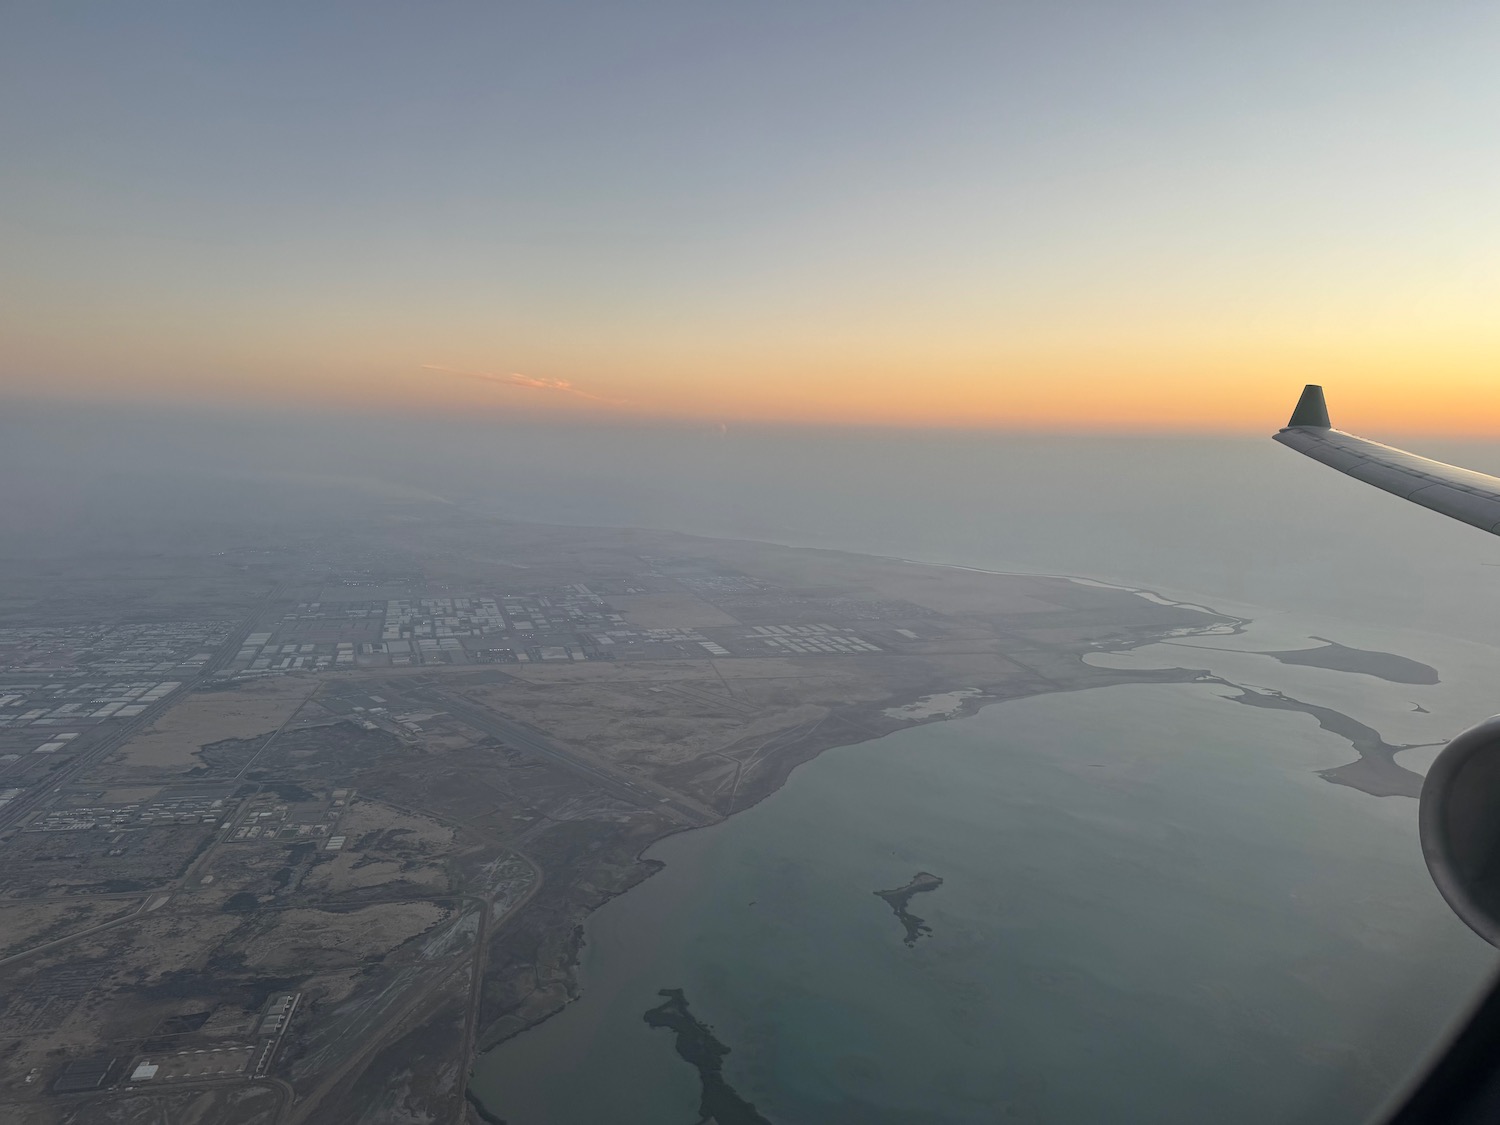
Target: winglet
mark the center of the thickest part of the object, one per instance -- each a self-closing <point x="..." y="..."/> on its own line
<point x="1311" y="409"/>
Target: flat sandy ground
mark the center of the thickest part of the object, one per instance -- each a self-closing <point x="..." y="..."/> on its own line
<point x="669" y="611"/>
<point x="173" y="741"/>
<point x="129" y="795"/>
<point x="26" y="925"/>
<point x="305" y="938"/>
<point x="384" y="846"/>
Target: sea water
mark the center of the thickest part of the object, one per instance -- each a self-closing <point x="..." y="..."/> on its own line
<point x="1153" y="908"/>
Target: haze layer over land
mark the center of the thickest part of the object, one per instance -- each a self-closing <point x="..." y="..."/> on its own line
<point x="318" y="756"/>
<point x="1222" y="519"/>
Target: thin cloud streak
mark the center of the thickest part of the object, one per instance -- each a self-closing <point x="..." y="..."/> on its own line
<point x="531" y="382"/>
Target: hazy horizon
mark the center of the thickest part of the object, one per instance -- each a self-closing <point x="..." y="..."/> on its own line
<point x="1214" y="517"/>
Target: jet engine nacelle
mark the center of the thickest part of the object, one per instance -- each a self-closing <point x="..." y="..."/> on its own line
<point x="1459" y="824"/>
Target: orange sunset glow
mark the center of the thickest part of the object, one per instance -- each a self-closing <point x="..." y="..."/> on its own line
<point x="956" y="241"/>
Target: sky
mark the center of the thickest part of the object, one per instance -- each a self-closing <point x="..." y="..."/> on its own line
<point x="1064" y="215"/>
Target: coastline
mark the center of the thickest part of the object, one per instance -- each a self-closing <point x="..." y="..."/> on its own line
<point x="1374" y="770"/>
<point x="762" y="926"/>
<point x="852" y="726"/>
<point x="771" y="783"/>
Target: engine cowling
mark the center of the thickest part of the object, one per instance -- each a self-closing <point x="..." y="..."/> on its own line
<point x="1459" y="825"/>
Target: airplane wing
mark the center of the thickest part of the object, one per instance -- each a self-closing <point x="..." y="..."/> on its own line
<point x="1456" y="819"/>
<point x="1463" y="494"/>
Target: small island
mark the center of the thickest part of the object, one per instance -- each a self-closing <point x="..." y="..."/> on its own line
<point x="718" y="1103"/>
<point x="901" y="896"/>
<point x="1364" y="662"/>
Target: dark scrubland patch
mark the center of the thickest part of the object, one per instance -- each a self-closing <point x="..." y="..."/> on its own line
<point x="228" y="756"/>
<point x="476" y="1107"/>
<point x="337" y="749"/>
<point x="301" y="851"/>
<point x="289" y="791"/>
<point x="83" y="1075"/>
<point x="529" y="974"/>
<point x="223" y="980"/>
<point x="163" y="1041"/>
<point x="241" y="903"/>
<point x="121" y="886"/>
<point x="299" y="857"/>
<point x="418" y="1077"/>
<point x="189" y="1021"/>
<point x="381" y="839"/>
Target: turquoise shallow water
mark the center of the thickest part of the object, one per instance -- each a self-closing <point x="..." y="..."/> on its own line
<point x="1153" y="910"/>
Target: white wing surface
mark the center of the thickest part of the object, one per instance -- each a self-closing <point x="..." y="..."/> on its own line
<point x="1463" y="494"/>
